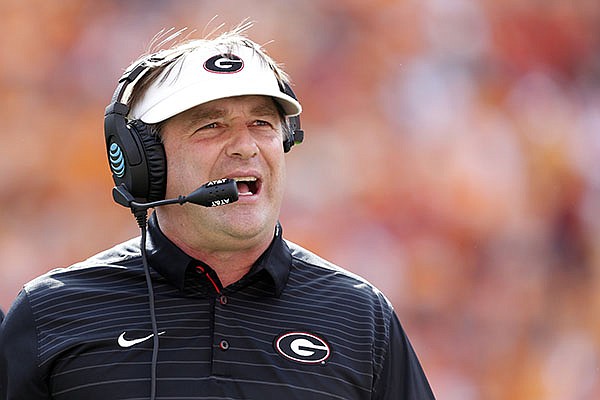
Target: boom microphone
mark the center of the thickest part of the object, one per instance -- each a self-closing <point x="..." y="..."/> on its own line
<point x="212" y="194"/>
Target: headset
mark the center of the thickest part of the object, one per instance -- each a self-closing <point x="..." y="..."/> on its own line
<point x="136" y="155"/>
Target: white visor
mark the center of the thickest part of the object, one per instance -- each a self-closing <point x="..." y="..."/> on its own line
<point x="207" y="74"/>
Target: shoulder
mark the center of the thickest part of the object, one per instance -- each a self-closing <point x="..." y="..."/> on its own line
<point x="101" y="266"/>
<point x="332" y="279"/>
<point x="307" y="257"/>
<point x="64" y="295"/>
<point x="302" y="257"/>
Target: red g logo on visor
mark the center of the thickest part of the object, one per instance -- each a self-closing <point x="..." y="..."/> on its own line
<point x="224" y="64"/>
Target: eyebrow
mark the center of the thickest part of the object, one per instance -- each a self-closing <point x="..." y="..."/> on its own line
<point x="207" y="113"/>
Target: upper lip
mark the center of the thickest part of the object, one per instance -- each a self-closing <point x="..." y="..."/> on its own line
<point x="244" y="175"/>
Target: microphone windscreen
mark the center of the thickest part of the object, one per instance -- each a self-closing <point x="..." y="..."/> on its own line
<point x="214" y="193"/>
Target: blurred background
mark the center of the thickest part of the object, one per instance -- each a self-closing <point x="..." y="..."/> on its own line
<point x="452" y="157"/>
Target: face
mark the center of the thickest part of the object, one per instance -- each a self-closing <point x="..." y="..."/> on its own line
<point x="239" y="138"/>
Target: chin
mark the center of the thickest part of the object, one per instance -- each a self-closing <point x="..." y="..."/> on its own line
<point x="250" y="231"/>
<point x="250" y="226"/>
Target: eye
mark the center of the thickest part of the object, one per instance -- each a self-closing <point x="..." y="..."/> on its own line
<point x="212" y="125"/>
<point x="206" y="129"/>
<point x="262" y="123"/>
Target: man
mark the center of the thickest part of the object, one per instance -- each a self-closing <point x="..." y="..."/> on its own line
<point x="213" y="303"/>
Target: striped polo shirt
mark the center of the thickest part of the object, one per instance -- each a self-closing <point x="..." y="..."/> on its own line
<point x="294" y="327"/>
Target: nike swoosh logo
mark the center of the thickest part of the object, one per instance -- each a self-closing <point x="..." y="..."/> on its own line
<point x="128" y="343"/>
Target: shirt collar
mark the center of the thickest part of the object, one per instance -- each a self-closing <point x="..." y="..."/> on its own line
<point x="172" y="263"/>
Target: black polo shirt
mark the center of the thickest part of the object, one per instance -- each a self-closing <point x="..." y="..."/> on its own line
<point x="295" y="327"/>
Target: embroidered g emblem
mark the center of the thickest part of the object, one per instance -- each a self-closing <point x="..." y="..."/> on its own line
<point x="303" y="347"/>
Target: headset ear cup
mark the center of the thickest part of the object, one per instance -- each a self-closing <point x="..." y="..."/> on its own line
<point x="288" y="142"/>
<point x="294" y="134"/>
<point x="156" y="161"/>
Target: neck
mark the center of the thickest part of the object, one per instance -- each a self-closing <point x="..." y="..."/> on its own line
<point x="230" y="266"/>
<point x="231" y="257"/>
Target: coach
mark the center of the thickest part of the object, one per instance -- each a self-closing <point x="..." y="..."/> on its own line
<point x="211" y="303"/>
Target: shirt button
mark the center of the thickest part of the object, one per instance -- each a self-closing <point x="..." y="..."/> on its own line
<point x="224" y="345"/>
<point x="223" y="299"/>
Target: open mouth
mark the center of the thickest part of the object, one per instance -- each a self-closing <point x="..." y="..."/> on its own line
<point x="247" y="185"/>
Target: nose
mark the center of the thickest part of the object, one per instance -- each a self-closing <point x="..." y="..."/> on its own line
<point x="242" y="143"/>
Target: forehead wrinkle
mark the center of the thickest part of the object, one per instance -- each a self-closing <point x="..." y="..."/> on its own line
<point x="268" y="109"/>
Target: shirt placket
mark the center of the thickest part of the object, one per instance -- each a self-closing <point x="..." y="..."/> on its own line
<point x="221" y="342"/>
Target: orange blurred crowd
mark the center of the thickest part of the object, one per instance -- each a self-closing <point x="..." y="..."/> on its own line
<point x="452" y="157"/>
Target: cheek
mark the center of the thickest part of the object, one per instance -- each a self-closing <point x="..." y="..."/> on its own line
<point x="279" y="173"/>
<point x="180" y="169"/>
<point x="174" y="181"/>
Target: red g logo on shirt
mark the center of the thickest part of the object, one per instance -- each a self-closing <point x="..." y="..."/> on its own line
<point x="303" y="347"/>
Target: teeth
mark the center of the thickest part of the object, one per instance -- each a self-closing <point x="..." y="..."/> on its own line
<point x="246" y="185"/>
<point x="245" y="179"/>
